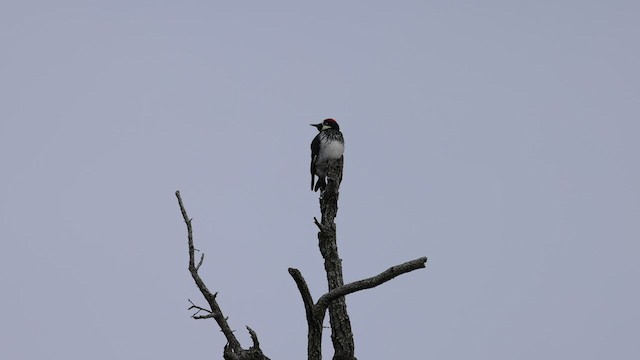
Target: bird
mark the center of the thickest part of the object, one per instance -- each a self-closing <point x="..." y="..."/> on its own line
<point x="328" y="145"/>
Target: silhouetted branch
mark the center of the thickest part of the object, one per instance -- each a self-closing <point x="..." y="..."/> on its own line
<point x="371" y="282"/>
<point x="233" y="350"/>
<point x="315" y="317"/>
<point x="199" y="309"/>
<point x="320" y="226"/>
<point x="304" y="291"/>
<point x="315" y="312"/>
<point x="200" y="262"/>
<point x="254" y="338"/>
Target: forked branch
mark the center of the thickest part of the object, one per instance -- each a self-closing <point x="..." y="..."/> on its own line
<point x="316" y="312"/>
<point x="334" y="300"/>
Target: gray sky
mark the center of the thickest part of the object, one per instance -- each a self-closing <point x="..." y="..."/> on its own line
<point x="499" y="139"/>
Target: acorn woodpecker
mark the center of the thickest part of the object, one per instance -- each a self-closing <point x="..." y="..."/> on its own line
<point x="327" y="145"/>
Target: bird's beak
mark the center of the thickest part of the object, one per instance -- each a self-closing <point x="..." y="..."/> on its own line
<point x="316" y="125"/>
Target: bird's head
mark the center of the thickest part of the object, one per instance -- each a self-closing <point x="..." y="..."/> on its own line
<point x="327" y="124"/>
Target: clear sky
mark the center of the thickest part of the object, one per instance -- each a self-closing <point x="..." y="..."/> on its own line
<point x="500" y="139"/>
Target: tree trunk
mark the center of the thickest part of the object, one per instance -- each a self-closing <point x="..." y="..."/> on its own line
<point x="341" y="333"/>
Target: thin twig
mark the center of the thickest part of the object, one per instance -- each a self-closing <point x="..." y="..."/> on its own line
<point x="194" y="306"/>
<point x="199" y="309"/>
<point x="200" y="317"/>
<point x="320" y="226"/>
<point x="200" y="262"/>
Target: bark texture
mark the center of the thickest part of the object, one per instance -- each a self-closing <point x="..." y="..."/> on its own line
<point x="341" y="333"/>
<point x="334" y="299"/>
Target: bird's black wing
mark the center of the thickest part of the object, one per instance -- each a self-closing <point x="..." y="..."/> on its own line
<point x="315" y="149"/>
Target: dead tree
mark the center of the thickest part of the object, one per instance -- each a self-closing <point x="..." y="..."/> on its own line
<point x="333" y="300"/>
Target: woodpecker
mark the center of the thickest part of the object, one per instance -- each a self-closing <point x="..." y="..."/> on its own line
<point x="327" y="145"/>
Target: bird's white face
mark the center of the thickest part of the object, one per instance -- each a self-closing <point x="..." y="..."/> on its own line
<point x="326" y="125"/>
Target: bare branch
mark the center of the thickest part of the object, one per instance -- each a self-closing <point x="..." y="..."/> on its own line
<point x="199" y="309"/>
<point x="200" y="262"/>
<point x="200" y="317"/>
<point x="320" y="226"/>
<point x="315" y="317"/>
<point x="304" y="292"/>
<point x="215" y="312"/>
<point x="254" y="338"/>
<point x="371" y="282"/>
<point x="194" y="306"/>
<point x="253" y="353"/>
